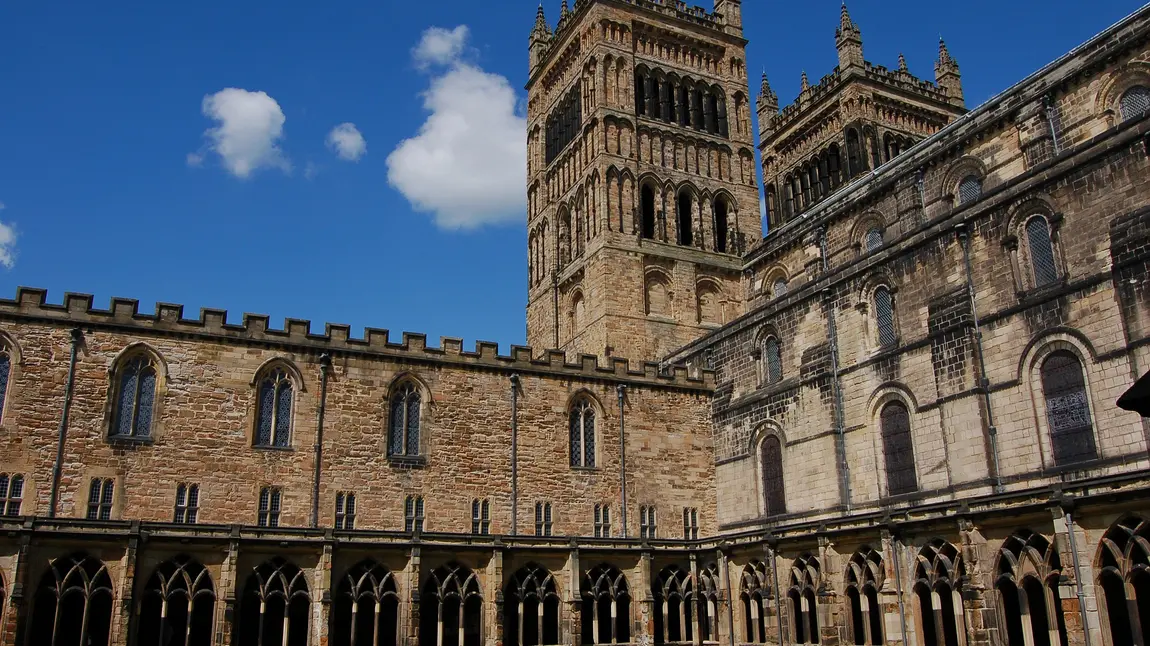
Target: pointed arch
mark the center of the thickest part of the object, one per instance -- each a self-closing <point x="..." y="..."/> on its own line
<point x="938" y="574"/>
<point x="178" y="602"/>
<point x="802" y="597"/>
<point x="531" y="605"/>
<point x="365" y="610"/>
<point x="275" y="607"/>
<point x="407" y="401"/>
<point x="1027" y="580"/>
<point x="865" y="576"/>
<point x="73" y="603"/>
<point x="137" y="382"/>
<point x="451" y="607"/>
<point x="709" y="301"/>
<point x="673" y="591"/>
<point x="606" y="609"/>
<point x="755" y="593"/>
<point x="275" y="383"/>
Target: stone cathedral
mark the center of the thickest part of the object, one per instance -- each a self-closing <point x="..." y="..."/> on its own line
<point x="889" y="420"/>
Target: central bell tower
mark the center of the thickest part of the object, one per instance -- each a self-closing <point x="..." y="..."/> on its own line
<point x="642" y="187"/>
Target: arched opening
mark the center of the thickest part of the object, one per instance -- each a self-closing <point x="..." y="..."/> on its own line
<point x="1011" y="611"/>
<point x="707" y="598"/>
<point x="927" y="615"/>
<point x="1042" y="267"/>
<point x="450" y="608"/>
<point x="606" y="610"/>
<point x="771" y="465"/>
<point x="938" y="568"/>
<point x="1117" y="614"/>
<point x="531" y="608"/>
<point x="721" y="224"/>
<point x="365" y="611"/>
<point x="855" y="158"/>
<point x="683" y="107"/>
<point x="685" y="204"/>
<point x="834" y="166"/>
<point x="275" y="608"/>
<point x="1036" y="606"/>
<point x="898" y="449"/>
<point x="674" y="598"/>
<point x="788" y="197"/>
<point x="948" y="620"/>
<point x="697" y="121"/>
<point x="73" y="603"/>
<point x="772" y="207"/>
<point x="804" y="582"/>
<point x="404" y="419"/>
<point x="178" y="605"/>
<point x="647" y="208"/>
<point x="1067" y="409"/>
<point x="754" y="594"/>
<point x="865" y="575"/>
<point x="640" y="93"/>
<point x="858" y="622"/>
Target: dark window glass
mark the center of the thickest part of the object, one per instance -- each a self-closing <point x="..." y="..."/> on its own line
<point x="11" y="494"/>
<point x="187" y="503"/>
<point x="269" y="511"/>
<point x="779" y="289"/>
<point x="1067" y="409"/>
<point x="884" y="317"/>
<point x="405" y="417"/>
<point x="773" y="357"/>
<point x="969" y="189"/>
<point x="771" y="463"/>
<point x="873" y="239"/>
<point x="100" y="496"/>
<point x="690" y="523"/>
<point x="898" y="449"/>
<point x="582" y="432"/>
<point x="1134" y="102"/>
<point x="345" y="511"/>
<point x="5" y="371"/>
<point x="413" y="514"/>
<point x="135" y="399"/>
<point x="647" y="521"/>
<point x="273" y="427"/>
<point x="1041" y="251"/>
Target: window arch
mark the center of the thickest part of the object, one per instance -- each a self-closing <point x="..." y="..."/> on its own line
<point x="755" y="594"/>
<point x="274" y="407"/>
<point x="1040" y="246"/>
<point x="7" y="359"/>
<point x="685" y="204"/>
<point x="707" y="595"/>
<point x="779" y="287"/>
<point x="721" y="223"/>
<point x="135" y="378"/>
<point x="772" y="360"/>
<point x="1122" y="569"/>
<point x="939" y="570"/>
<point x="969" y="189"/>
<point x="451" y="608"/>
<point x="1067" y="408"/>
<point x="178" y="601"/>
<point x="73" y="603"/>
<point x="581" y="425"/>
<point x="606" y="610"/>
<point x="803" y="602"/>
<point x="873" y="239"/>
<point x="404" y="417"/>
<point x="674" y="597"/>
<point x="771" y="472"/>
<point x="1028" y="576"/>
<point x="898" y="448"/>
<point x="647" y="209"/>
<point x="883" y="302"/>
<point x="531" y="608"/>
<point x="366" y="607"/>
<point x="865" y="574"/>
<point x="275" y="608"/>
<point x="1134" y="102"/>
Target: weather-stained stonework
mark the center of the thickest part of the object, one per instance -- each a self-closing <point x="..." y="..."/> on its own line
<point x="890" y="421"/>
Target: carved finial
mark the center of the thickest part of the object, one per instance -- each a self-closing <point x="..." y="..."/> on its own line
<point x="564" y="10"/>
<point x="540" y="21"/>
<point x="765" y="89"/>
<point x="805" y="83"/>
<point x="845" y="21"/>
<point x="943" y="52"/>
<point x="902" y="63"/>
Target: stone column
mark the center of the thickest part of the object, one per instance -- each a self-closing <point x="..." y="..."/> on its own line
<point x="696" y="620"/>
<point x="1076" y="593"/>
<point x="123" y="604"/>
<point x="12" y="632"/>
<point x="321" y="596"/>
<point x="646" y="610"/>
<point x="409" y="603"/>
<point x="572" y="633"/>
<point x="493" y="613"/>
<point x="229" y="575"/>
<point x="725" y="613"/>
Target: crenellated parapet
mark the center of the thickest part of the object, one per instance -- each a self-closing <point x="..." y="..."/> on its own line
<point x="123" y="314"/>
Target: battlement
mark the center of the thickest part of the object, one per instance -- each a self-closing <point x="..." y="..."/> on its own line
<point x="671" y="8"/>
<point x="123" y="313"/>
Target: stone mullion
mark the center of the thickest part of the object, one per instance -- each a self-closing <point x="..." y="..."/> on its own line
<point x="724" y="628"/>
<point x="695" y="597"/>
<point x="493" y="612"/>
<point x="409" y="603"/>
<point x="647" y="604"/>
<point x="574" y="601"/>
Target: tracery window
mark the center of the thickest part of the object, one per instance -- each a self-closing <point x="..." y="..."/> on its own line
<point x="451" y="608"/>
<point x="366" y="607"/>
<point x="1027" y="582"/>
<point x="754" y="593"/>
<point x="772" y="361"/>
<point x="481" y="516"/>
<point x="779" y="289"/>
<point x="275" y="608"/>
<point x="691" y="523"/>
<point x="884" y="317"/>
<point x="582" y="430"/>
<point x="1123" y="580"/>
<point x="187" y="504"/>
<point x="5" y="376"/>
<point x="11" y="494"/>
<point x="542" y="519"/>
<point x="674" y="606"/>
<point x="872" y="239"/>
<point x="802" y="601"/>
<point x="345" y="510"/>
<point x="101" y="492"/>
<point x="771" y="466"/>
<point x="135" y="397"/>
<point x="969" y="189"/>
<point x="602" y="525"/>
<point x="413" y="514"/>
<point x="865" y="576"/>
<point x="1041" y="247"/>
<point x="707" y="594"/>
<point x="271" y="499"/>
<point x="1134" y="102"/>
<point x="1067" y="409"/>
<point x="178" y="605"/>
<point x="73" y="603"/>
<point x="939" y="571"/>
<point x="898" y="449"/>
<point x="606" y="611"/>
<point x="647" y="521"/>
<point x="685" y="204"/>
<point x="403" y="433"/>
<point x="274" y="409"/>
<point x="531" y="608"/>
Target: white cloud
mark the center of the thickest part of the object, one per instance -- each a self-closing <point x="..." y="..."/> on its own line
<point x="440" y="46"/>
<point x="246" y="137"/>
<point x="347" y="141"/>
<point x="7" y="243"/>
<point x="310" y="170"/>
<point x="468" y="163"/>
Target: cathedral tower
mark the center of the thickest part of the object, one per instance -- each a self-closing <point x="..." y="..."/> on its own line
<point x="642" y="189"/>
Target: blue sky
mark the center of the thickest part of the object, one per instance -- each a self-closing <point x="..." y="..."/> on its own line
<point x="127" y="167"/>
